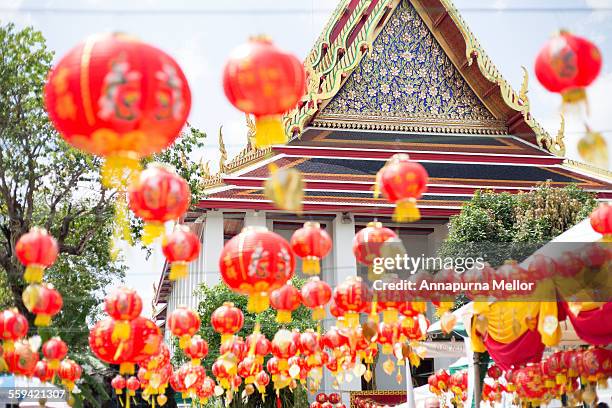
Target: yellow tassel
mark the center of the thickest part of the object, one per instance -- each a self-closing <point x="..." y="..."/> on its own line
<point x="178" y="270"/>
<point x="258" y="302"/>
<point x="574" y="95"/>
<point x="42" y="320"/>
<point x="120" y="170"/>
<point x="390" y="316"/>
<point x="406" y="211"/>
<point x="283" y="316"/>
<point x="184" y="341"/>
<point x="126" y="368"/>
<point x="152" y="231"/>
<point x="352" y="319"/>
<point x="33" y="274"/>
<point x="8" y="345"/>
<point x="318" y="313"/>
<point x="311" y="266"/>
<point x="54" y="364"/>
<point x="121" y="331"/>
<point x="226" y="337"/>
<point x="387" y="349"/>
<point x="269" y="131"/>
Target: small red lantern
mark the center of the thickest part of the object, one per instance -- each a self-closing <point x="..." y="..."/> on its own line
<point x="285" y="300"/>
<point x="43" y="371"/>
<point x="36" y="250"/>
<point x="69" y="372"/>
<point x="283" y="347"/>
<point x="567" y="64"/>
<point x="601" y="221"/>
<point x="262" y="379"/>
<point x="197" y="349"/>
<point x="368" y="243"/>
<point x="494" y="372"/>
<point x="124" y="305"/>
<point x="118" y="383"/>
<point x="54" y="350"/>
<point x="227" y="320"/>
<point x="403" y="181"/>
<point x="315" y="295"/>
<point x="256" y="262"/>
<point x="259" y="344"/>
<point x="180" y="247"/>
<point x="21" y="360"/>
<point x="353" y="296"/>
<point x="117" y="97"/>
<point x="183" y="323"/>
<point x="13" y="326"/>
<point x="311" y="243"/>
<point x="158" y="195"/>
<point x="44" y="301"/>
<point x="132" y="384"/>
<point x="263" y="80"/>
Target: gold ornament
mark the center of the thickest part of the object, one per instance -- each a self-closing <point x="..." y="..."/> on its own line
<point x="285" y="187"/>
<point x="593" y="149"/>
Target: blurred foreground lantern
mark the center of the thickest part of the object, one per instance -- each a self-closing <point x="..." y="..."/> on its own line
<point x="158" y="195"/>
<point x="593" y="149"/>
<point x="601" y="221"/>
<point x="180" y="247"/>
<point x="402" y="181"/>
<point x="567" y="64"/>
<point x="311" y="243"/>
<point x="22" y="359"/>
<point x="115" y="96"/>
<point x="261" y="79"/>
<point x="36" y="250"/>
<point x="44" y="301"/>
<point x="13" y="326"/>
<point x="285" y="188"/>
<point x="256" y="262"/>
<point x="54" y="350"/>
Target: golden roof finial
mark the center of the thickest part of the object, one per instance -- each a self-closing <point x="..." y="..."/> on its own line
<point x="204" y="168"/>
<point x="222" y="152"/>
<point x="252" y="130"/>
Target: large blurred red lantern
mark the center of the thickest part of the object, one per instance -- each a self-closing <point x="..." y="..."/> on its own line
<point x="368" y="243"/>
<point x="43" y="371"/>
<point x="13" y="326"/>
<point x="315" y="295"/>
<point x="54" y="350"/>
<point x="158" y="195"/>
<point x="353" y="296"/>
<point x="36" y="250"/>
<point x="256" y="262"/>
<point x="21" y="360"/>
<point x="262" y="80"/>
<point x="69" y="372"/>
<point x="123" y="304"/>
<point x="117" y="97"/>
<point x="227" y="320"/>
<point x="180" y="247"/>
<point x="44" y="301"/>
<point x="285" y="300"/>
<point x="402" y="181"/>
<point x="567" y="64"/>
<point x="183" y="323"/>
<point x="311" y="243"/>
<point x="601" y="221"/>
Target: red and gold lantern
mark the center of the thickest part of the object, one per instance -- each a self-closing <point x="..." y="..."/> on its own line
<point x="227" y="320"/>
<point x="118" y="383"/>
<point x="124" y="305"/>
<point x="43" y="371"/>
<point x="262" y="80"/>
<point x="158" y="195"/>
<point x="115" y="96"/>
<point x="197" y="349"/>
<point x="132" y="384"/>
<point x="13" y="326"/>
<point x="353" y="296"/>
<point x="402" y="181"/>
<point x="54" y="350"/>
<point x="183" y="323"/>
<point x="21" y="359"/>
<point x="368" y="243"/>
<point x="69" y="372"/>
<point x="567" y="64"/>
<point x="44" y="301"/>
<point x="180" y="247"/>
<point x="285" y="300"/>
<point x="601" y="221"/>
<point x="315" y="295"/>
<point x="36" y="250"/>
<point x="259" y="345"/>
<point x="283" y="347"/>
<point x="256" y="262"/>
<point x="311" y="243"/>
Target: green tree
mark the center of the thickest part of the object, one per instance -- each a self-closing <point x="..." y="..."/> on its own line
<point x="212" y="298"/>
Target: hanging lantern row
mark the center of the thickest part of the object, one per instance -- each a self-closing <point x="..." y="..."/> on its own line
<point x="332" y="400"/>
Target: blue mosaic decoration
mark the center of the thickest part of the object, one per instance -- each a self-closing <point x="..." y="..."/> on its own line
<point x="407" y="74"/>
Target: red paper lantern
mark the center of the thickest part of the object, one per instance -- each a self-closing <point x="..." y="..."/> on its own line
<point x="236" y="346"/>
<point x="403" y="181"/>
<point x="36" y="250"/>
<point x="118" y="383"/>
<point x="567" y="64"/>
<point x="353" y="296"/>
<point x="192" y="376"/>
<point x="197" y="349"/>
<point x="310" y="342"/>
<point x="262" y="379"/>
<point x="601" y="221"/>
<point x="494" y="372"/>
<point x="285" y="300"/>
<point x="315" y="295"/>
<point x="311" y="243"/>
<point x="183" y="323"/>
<point x="123" y="304"/>
<point x="54" y="350"/>
<point x="260" y="345"/>
<point x="256" y="262"/>
<point x="13" y="326"/>
<point x="158" y="195"/>
<point x="368" y="243"/>
<point x="227" y="320"/>
<point x="43" y="371"/>
<point x="69" y="372"/>
<point x="180" y="247"/>
<point x="44" y="301"/>
<point x="21" y="359"/>
<point x="117" y="97"/>
<point x="262" y="80"/>
<point x="132" y="384"/>
<point x="283" y="347"/>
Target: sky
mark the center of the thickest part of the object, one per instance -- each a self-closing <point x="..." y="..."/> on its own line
<point x="201" y="33"/>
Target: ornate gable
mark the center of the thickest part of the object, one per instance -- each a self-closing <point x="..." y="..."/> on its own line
<point x="408" y="82"/>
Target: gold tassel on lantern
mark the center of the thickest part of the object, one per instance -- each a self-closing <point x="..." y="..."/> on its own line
<point x="258" y="302"/>
<point x="283" y="316"/>
<point x="33" y="274"/>
<point x="285" y="187"/>
<point x="311" y="266"/>
<point x="152" y="231"/>
<point x="593" y="149"/>
<point x="269" y="131"/>
<point x="406" y="211"/>
<point x="178" y="270"/>
<point x="119" y="170"/>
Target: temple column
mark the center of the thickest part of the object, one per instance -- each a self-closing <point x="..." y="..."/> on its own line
<point x="255" y="219"/>
<point x="212" y="244"/>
